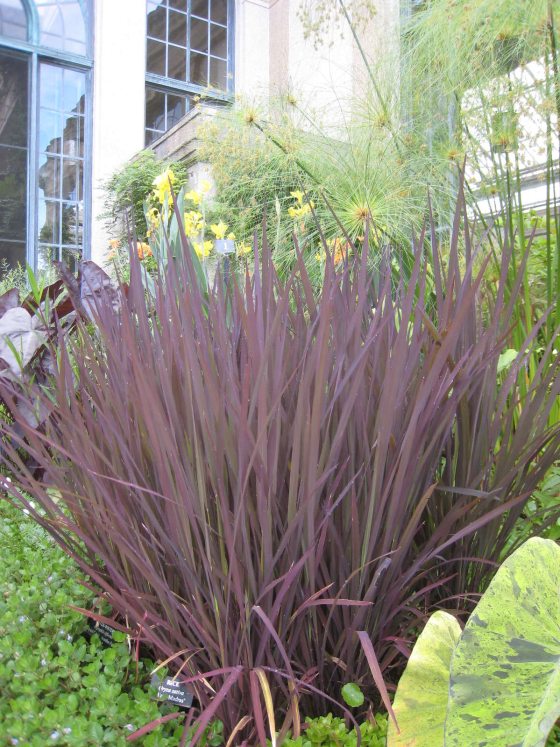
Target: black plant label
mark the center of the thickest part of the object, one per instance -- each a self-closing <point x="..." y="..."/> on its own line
<point x="104" y="631"/>
<point x="174" y="692"/>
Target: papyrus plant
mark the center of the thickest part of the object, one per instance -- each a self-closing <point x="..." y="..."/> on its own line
<point x="273" y="489"/>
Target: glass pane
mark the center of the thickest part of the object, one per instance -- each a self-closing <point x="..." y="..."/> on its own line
<point x="51" y="87"/>
<point x="155" y="110"/>
<point x="49" y="222"/>
<point x="13" y="193"/>
<point x="218" y="73"/>
<point x="151" y="137"/>
<point x="177" y="63"/>
<point x="50" y="128"/>
<point x="218" y="41"/>
<point x="13" y="101"/>
<point x="156" y="57"/>
<point x="157" y="22"/>
<point x="200" y="8"/>
<point x="199" y="35"/>
<point x="60" y="176"/>
<point x="70" y="227"/>
<point x="199" y="69"/>
<point x="12" y="252"/>
<point x="176" y="109"/>
<point x="71" y="257"/>
<point x="48" y="177"/>
<point x="219" y="11"/>
<point x="73" y="137"/>
<point x="179" y="4"/>
<point x="72" y="176"/>
<point x="62" y="25"/>
<point x="13" y="21"/>
<point x="177" y="28"/>
<point x="73" y="91"/>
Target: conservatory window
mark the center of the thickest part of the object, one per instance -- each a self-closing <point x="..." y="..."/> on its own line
<point x="44" y="131"/>
<point x="188" y="53"/>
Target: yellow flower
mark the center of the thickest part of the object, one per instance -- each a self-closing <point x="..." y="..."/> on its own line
<point x="203" y="248"/>
<point x="243" y="248"/>
<point x="194" y="223"/>
<point x="231" y="236"/>
<point x="219" y="229"/>
<point x="162" y="185"/>
<point x="297" y="195"/>
<point x="205" y="186"/>
<point x="321" y="256"/>
<point x="194" y="196"/>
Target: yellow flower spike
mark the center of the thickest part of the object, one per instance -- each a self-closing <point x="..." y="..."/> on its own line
<point x="297" y="195"/>
<point x="293" y="212"/>
<point x="219" y="229"/>
<point x="203" y="248"/>
<point x="243" y="248"/>
<point x="164" y="179"/>
<point x="321" y="256"/>
<point x="231" y="236"/>
<point x="194" y="196"/>
<point x="205" y="186"/>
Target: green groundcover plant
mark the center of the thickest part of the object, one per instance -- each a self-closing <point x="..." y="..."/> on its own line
<point x="272" y="488"/>
<point x="58" y="685"/>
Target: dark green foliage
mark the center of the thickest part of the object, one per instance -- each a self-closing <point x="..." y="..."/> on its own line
<point x="57" y="686"/>
<point x="328" y="731"/>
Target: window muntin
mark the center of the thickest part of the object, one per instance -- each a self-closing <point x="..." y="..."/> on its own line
<point x="14" y="72"/>
<point x="43" y="196"/>
<point x="60" y="175"/>
<point x="188" y="49"/>
<point x="13" y="20"/>
<point x="62" y="26"/>
<point x="163" y="111"/>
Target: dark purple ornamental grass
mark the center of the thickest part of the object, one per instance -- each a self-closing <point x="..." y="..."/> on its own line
<point x="274" y="489"/>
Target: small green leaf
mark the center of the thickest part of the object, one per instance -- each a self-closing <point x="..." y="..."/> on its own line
<point x="352" y="695"/>
<point x="506" y="359"/>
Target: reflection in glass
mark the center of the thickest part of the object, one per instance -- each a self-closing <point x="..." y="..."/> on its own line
<point x="199" y="69"/>
<point x="13" y="101"/>
<point x="187" y="41"/>
<point x="62" y="25"/>
<point x="60" y="177"/>
<point x="13" y="158"/>
<point x="177" y="63"/>
<point x="201" y="7"/>
<point x="199" y="35"/>
<point x="177" y="33"/>
<point x="219" y="11"/>
<point x="163" y="111"/>
<point x="218" y="73"/>
<point x="156" y="57"/>
<point x="13" y="20"/>
<point x="218" y="41"/>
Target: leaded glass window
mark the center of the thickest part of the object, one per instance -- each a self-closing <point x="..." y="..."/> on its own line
<point x="189" y="52"/>
<point x="14" y="112"/>
<point x="62" y="25"/>
<point x="44" y="157"/>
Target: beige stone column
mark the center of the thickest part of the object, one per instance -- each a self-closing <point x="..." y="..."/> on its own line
<point x="118" y="97"/>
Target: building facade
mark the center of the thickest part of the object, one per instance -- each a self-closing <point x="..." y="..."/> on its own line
<point x="86" y="84"/>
